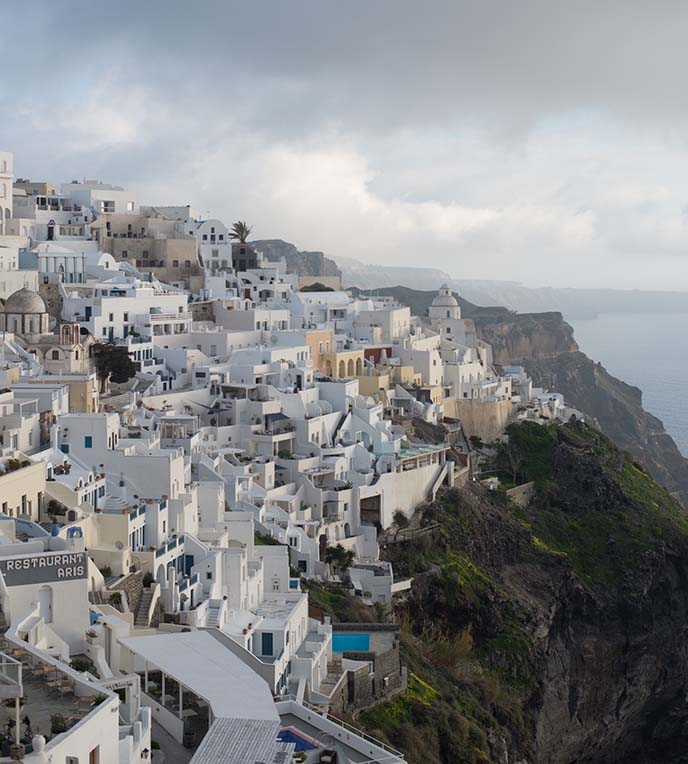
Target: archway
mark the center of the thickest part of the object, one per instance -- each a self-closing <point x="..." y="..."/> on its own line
<point x="342" y="370"/>
<point x="359" y="367"/>
<point x="350" y="368"/>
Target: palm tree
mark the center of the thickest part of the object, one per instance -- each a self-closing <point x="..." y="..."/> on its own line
<point x="241" y="231"/>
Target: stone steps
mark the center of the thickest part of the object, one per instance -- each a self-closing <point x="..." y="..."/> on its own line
<point x="141" y="618"/>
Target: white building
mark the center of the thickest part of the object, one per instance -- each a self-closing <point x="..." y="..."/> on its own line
<point x="99" y="197"/>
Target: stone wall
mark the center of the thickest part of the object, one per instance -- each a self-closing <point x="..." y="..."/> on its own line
<point x="202" y="311"/>
<point x="132" y="586"/>
<point x="53" y="302"/>
<point x="486" y="419"/>
<point x="386" y="679"/>
<point x="522" y="494"/>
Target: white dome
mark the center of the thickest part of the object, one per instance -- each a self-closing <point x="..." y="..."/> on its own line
<point x="24" y="301"/>
<point x="445" y="298"/>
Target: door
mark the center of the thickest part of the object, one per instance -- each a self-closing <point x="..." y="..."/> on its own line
<point x="45" y="603"/>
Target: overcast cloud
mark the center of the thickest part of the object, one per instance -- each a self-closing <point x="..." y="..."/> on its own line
<point x="541" y="142"/>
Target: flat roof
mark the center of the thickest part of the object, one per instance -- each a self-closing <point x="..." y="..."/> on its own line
<point x="204" y="666"/>
<point x="240" y="741"/>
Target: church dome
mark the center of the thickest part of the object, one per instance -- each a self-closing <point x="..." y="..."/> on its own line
<point x="24" y="301"/>
<point x="445" y="298"/>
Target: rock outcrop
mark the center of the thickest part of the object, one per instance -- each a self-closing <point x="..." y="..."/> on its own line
<point x="303" y="263"/>
<point x="544" y="344"/>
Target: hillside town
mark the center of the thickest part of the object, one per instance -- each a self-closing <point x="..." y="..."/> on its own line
<point x="192" y="436"/>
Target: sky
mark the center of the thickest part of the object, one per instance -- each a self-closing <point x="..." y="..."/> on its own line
<point x="542" y="142"/>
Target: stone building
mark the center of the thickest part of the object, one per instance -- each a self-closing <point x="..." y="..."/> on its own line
<point x="25" y="314"/>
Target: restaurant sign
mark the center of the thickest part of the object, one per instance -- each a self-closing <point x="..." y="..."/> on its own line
<point x="42" y="568"/>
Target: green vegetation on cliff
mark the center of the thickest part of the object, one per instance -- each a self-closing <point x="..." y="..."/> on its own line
<point x="514" y="611"/>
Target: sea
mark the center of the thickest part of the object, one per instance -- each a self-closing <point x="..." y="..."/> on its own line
<point x="649" y="351"/>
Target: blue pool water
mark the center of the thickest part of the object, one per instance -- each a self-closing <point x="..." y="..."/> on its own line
<point x="345" y="642"/>
<point x="289" y="736"/>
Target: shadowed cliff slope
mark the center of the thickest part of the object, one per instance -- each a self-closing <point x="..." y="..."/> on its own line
<point x="550" y="635"/>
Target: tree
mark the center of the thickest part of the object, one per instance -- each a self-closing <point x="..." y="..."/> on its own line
<point x="241" y="230"/>
<point x="338" y="557"/>
<point x="316" y="287"/>
<point x="113" y="363"/>
<point x="476" y="442"/>
<point x="400" y="521"/>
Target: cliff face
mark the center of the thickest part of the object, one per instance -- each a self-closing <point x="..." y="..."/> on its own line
<point x="550" y="635"/>
<point x="303" y="263"/>
<point x="518" y="336"/>
<point x="544" y="344"/>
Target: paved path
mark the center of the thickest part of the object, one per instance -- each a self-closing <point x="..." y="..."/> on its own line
<point x="175" y="753"/>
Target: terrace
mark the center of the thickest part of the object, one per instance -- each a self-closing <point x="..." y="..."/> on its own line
<point x="41" y="692"/>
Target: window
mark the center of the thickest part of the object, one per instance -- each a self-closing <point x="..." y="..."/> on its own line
<point x="94" y="756"/>
<point x="125" y="253"/>
<point x="175" y="263"/>
<point x="126" y="316"/>
<point x="209" y="575"/>
<point x="275" y="586"/>
<point x="130" y="206"/>
<point x="55" y="355"/>
<point x="266" y="643"/>
<point x="145" y="253"/>
<point x="205" y="237"/>
<point x="88" y="441"/>
<point x="187" y="263"/>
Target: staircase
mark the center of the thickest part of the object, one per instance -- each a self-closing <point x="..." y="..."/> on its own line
<point x="96" y="598"/>
<point x="141" y="619"/>
<point x="333" y="676"/>
<point x="213" y="618"/>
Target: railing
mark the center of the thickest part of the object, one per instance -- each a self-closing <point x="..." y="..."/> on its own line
<point x="348" y="727"/>
<point x="167" y="317"/>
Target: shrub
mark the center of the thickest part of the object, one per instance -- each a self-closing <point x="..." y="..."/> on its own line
<point x="106" y="570"/>
<point x="148" y="579"/>
<point x="58" y="724"/>
<point x="83" y="664"/>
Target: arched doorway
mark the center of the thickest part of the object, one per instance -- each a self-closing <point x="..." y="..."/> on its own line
<point x="350" y="368"/>
<point x="45" y="603"/>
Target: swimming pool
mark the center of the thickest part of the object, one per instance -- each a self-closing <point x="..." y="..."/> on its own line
<point x="302" y="743"/>
<point x="344" y="642"/>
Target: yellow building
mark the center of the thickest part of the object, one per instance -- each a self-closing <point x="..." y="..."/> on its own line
<point x="22" y="487"/>
<point x="321" y="343"/>
<point x="374" y="382"/>
<point x="344" y="365"/>
<point x="406" y="376"/>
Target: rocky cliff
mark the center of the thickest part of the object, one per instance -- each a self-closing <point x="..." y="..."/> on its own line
<point x="516" y="337"/>
<point x="545" y="345"/>
<point x="303" y="263"/>
<point x="550" y="635"/>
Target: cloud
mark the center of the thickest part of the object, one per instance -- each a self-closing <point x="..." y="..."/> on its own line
<point x="534" y="141"/>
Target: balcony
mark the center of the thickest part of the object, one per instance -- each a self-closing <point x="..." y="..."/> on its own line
<point x="166" y="318"/>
